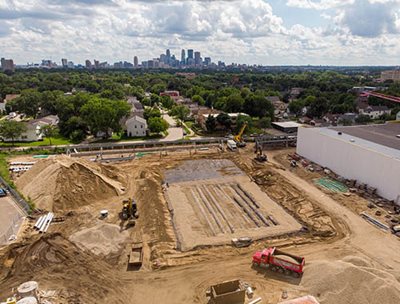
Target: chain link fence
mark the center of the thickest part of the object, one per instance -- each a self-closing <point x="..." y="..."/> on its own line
<point x="17" y="197"/>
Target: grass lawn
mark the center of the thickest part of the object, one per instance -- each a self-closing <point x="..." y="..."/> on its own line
<point x="55" y="141"/>
<point x="4" y="168"/>
<point x="117" y="138"/>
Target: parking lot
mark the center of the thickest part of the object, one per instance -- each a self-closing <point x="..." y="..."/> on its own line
<point x="10" y="218"/>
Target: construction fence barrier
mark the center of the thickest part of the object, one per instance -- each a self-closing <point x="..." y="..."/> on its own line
<point x="17" y="197"/>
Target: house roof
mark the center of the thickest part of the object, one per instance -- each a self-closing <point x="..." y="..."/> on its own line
<point x="10" y="97"/>
<point x="137" y="118"/>
<point x="273" y="98"/>
<point x="47" y="120"/>
<point x="378" y="108"/>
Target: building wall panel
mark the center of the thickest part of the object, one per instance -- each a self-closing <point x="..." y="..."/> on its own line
<point x="352" y="161"/>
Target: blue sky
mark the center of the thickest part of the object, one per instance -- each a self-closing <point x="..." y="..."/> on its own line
<point x="269" y="32"/>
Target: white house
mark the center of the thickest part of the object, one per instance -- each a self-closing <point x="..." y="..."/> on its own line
<point x="33" y="128"/>
<point x="374" y="111"/>
<point x="136" y="126"/>
<point x="398" y="116"/>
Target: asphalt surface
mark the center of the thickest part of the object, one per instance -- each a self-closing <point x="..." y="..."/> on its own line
<point x="10" y="218"/>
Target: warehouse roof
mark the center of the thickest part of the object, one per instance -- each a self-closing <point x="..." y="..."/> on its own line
<point x="385" y="134"/>
<point x="287" y="124"/>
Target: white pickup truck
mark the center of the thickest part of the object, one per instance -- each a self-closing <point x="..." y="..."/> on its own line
<point x="231" y="145"/>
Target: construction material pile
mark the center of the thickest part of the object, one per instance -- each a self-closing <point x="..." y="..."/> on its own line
<point x="55" y="262"/>
<point x="103" y="239"/>
<point x="65" y="183"/>
<point x="351" y="280"/>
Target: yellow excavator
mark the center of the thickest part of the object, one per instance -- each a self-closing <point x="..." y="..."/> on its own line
<point x="238" y="138"/>
<point x="129" y="211"/>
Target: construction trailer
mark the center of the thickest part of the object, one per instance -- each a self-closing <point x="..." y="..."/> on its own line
<point x="228" y="292"/>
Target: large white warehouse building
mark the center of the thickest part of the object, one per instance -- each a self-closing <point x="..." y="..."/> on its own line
<point x="368" y="154"/>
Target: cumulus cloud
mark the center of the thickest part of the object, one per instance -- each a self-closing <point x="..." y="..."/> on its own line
<point x="231" y="30"/>
<point x="367" y="19"/>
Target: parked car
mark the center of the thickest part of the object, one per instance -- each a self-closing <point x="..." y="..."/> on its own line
<point x="3" y="192"/>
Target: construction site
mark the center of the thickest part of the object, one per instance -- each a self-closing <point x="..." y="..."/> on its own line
<point x="197" y="225"/>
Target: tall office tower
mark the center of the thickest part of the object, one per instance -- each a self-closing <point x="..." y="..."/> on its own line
<point x="207" y="60"/>
<point x="64" y="63"/>
<point x="163" y="58"/>
<point x="88" y="64"/>
<point x="197" y="58"/>
<point x="190" y="54"/>
<point x="183" y="57"/>
<point x="135" y="62"/>
<point x="96" y="64"/>
<point x="7" y="65"/>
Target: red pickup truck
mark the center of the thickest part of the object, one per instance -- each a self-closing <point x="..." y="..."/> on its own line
<point x="280" y="261"/>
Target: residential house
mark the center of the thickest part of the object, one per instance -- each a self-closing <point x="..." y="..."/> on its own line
<point x="374" y="111"/>
<point x="136" y="126"/>
<point x="331" y="118"/>
<point x="33" y="127"/>
<point x="347" y="117"/>
<point x="8" y="98"/>
<point x="137" y="108"/>
<point x="279" y="106"/>
<point x="398" y="116"/>
<point x="173" y="94"/>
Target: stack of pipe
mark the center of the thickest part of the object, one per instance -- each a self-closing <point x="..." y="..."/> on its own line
<point x="43" y="222"/>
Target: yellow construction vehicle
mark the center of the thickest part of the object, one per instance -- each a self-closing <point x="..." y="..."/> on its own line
<point x="238" y="138"/>
<point x="129" y="210"/>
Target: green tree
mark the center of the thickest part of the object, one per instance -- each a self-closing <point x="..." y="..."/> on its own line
<point x="198" y="99"/>
<point x="234" y="103"/>
<point x="157" y="124"/>
<point x="11" y="129"/>
<point x="241" y="120"/>
<point x="103" y="115"/>
<point x="179" y="111"/>
<point x="265" y="122"/>
<point x="49" y="131"/>
<point x="167" y="102"/>
<point x="363" y="119"/>
<point x="211" y="123"/>
<point x="296" y="107"/>
<point x="224" y="120"/>
<point x="151" y="112"/>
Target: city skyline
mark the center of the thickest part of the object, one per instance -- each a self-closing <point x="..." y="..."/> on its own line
<point x="274" y="32"/>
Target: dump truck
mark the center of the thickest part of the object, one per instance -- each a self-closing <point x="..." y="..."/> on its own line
<point x="279" y="261"/>
<point x="136" y="255"/>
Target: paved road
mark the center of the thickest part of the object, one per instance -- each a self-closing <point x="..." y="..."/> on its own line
<point x="174" y="132"/>
<point x="10" y="218"/>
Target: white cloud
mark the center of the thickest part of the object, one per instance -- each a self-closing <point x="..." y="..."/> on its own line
<point x="240" y="31"/>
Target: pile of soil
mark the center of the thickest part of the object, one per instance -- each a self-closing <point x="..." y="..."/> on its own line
<point x="351" y="280"/>
<point x="57" y="264"/>
<point x="65" y="183"/>
<point x="103" y="239"/>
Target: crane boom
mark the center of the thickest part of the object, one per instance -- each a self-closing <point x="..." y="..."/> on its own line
<point x="238" y="137"/>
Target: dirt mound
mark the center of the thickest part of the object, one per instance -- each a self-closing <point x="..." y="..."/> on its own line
<point x="65" y="183"/>
<point x="55" y="262"/>
<point x="350" y="282"/>
<point x="103" y="239"/>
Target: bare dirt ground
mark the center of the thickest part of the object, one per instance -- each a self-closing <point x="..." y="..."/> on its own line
<point x="347" y="259"/>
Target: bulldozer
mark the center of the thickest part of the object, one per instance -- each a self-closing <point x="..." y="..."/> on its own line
<point x="129" y="211"/>
<point x="238" y="138"/>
